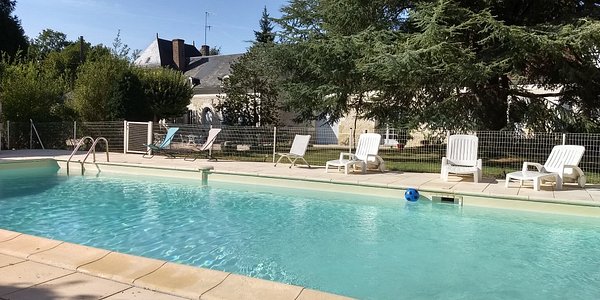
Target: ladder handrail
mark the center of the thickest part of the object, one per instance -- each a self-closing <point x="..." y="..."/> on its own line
<point x="93" y="149"/>
<point x="81" y="141"/>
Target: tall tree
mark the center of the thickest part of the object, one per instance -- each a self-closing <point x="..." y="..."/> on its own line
<point x="250" y="94"/>
<point x="29" y="91"/>
<point x="120" y="49"/>
<point x="266" y="34"/>
<point x="325" y="44"/>
<point x="47" y="41"/>
<point x="12" y="36"/>
<point x="94" y="93"/>
<point x="67" y="62"/>
<point x="166" y="91"/>
<point x="413" y="62"/>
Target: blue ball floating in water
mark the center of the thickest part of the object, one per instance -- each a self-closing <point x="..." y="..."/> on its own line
<point x="411" y="195"/>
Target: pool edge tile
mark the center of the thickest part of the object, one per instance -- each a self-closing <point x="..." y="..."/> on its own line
<point x="182" y="280"/>
<point x="310" y="294"/>
<point x="7" y="235"/>
<point x="69" y="256"/>
<point x="25" y="245"/>
<point x="242" y="287"/>
<point x="121" y="267"/>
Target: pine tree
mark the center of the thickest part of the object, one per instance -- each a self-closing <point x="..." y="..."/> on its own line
<point x="265" y="35"/>
<point x="12" y="36"/>
<point x="249" y="94"/>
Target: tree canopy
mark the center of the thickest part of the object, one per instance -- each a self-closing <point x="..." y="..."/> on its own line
<point x="12" y="36"/>
<point x="167" y="92"/>
<point x="78" y="81"/>
<point x="250" y="93"/>
<point x="418" y="63"/>
<point x="47" y="41"/>
<point x="266" y="34"/>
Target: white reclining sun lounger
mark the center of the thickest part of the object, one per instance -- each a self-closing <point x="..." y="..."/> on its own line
<point x="561" y="165"/>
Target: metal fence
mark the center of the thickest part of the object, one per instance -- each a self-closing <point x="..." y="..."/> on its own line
<point x="59" y="135"/>
<point x="403" y="150"/>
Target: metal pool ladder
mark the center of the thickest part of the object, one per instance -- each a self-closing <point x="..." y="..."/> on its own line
<point x="92" y="150"/>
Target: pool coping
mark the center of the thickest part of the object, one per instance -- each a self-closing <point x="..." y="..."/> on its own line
<point x="151" y="274"/>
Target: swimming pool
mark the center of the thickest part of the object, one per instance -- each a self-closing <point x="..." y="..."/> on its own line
<point x="360" y="246"/>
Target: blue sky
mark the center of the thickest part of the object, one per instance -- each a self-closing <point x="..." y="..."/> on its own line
<point x="232" y="21"/>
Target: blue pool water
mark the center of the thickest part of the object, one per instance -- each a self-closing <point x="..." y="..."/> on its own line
<point x="364" y="247"/>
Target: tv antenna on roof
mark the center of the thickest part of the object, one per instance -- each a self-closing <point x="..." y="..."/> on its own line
<point x="206" y="26"/>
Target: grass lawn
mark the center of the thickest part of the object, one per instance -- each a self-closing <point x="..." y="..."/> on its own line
<point x="417" y="159"/>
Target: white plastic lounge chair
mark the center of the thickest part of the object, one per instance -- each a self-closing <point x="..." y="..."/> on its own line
<point x="206" y="147"/>
<point x="461" y="157"/>
<point x="297" y="151"/>
<point x="560" y="166"/>
<point x="164" y="146"/>
<point x="366" y="154"/>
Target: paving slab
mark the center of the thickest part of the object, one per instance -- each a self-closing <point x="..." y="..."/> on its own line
<point x="25" y="245"/>
<point x="573" y="192"/>
<point x="182" y="280"/>
<point x="74" y="286"/>
<point x="26" y="274"/>
<point x="595" y="196"/>
<point x="471" y="187"/>
<point x="69" y="256"/>
<point x="546" y="191"/>
<point x="6" y="235"/>
<point x="121" y="267"/>
<point x="242" y="287"/>
<point x="499" y="189"/>
<point x="308" y="294"/>
<point x="141" y="294"/>
<point x="7" y="260"/>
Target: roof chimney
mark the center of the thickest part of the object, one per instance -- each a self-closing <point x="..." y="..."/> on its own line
<point x="205" y="50"/>
<point x="179" y="54"/>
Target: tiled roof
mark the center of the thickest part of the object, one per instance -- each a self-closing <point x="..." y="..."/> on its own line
<point x="160" y="53"/>
<point x="208" y="69"/>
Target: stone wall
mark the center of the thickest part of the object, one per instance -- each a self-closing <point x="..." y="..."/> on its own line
<point x="347" y="122"/>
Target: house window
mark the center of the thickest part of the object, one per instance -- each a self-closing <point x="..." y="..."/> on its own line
<point x="207" y="116"/>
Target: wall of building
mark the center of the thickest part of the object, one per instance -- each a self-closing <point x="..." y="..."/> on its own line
<point x="202" y="110"/>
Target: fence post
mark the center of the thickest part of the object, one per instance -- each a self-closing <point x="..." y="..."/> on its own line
<point x="274" y="141"/>
<point x="350" y="140"/>
<point x="8" y="135"/>
<point x="125" y="136"/>
<point x="74" y="133"/>
<point x="30" y="134"/>
<point x="564" y="136"/>
<point x="150" y="134"/>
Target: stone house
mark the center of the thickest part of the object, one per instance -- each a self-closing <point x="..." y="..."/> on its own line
<point x="204" y="71"/>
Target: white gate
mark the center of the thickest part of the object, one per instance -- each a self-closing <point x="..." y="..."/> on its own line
<point x="136" y="135"/>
